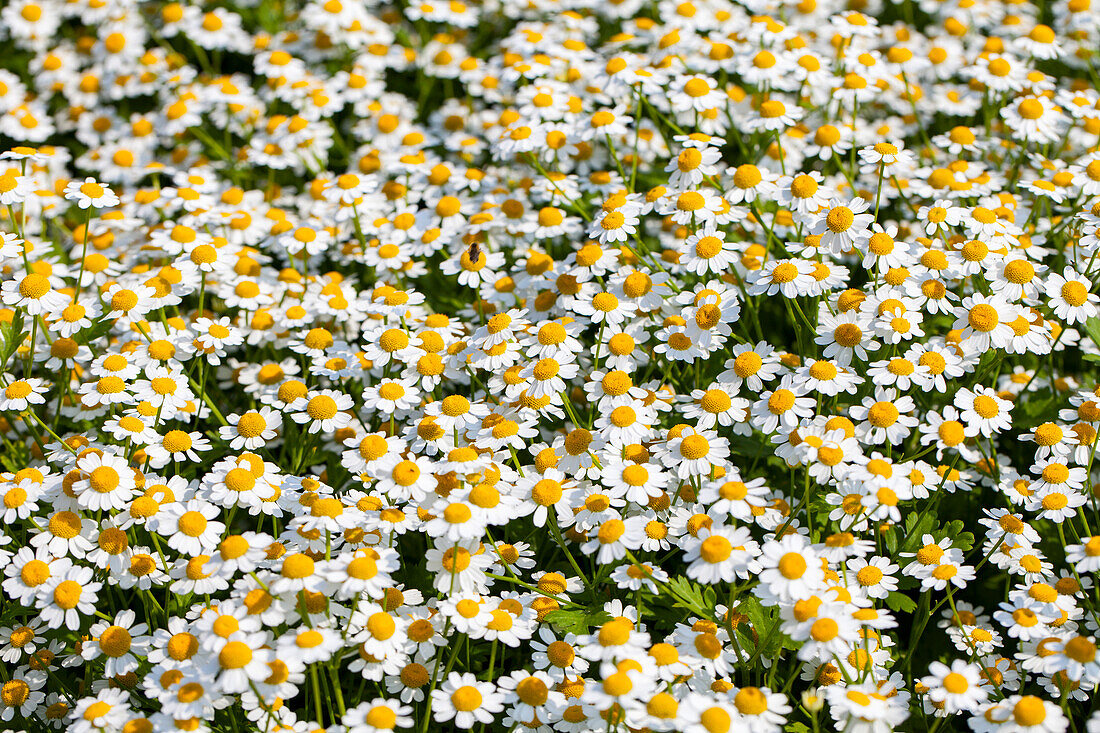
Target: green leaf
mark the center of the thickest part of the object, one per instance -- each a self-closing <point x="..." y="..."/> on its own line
<point x="16" y="458"/>
<point x="577" y="621"/>
<point x="13" y="336"/>
<point x="689" y="595"/>
<point x="751" y="607"/>
<point x="1092" y="328"/>
<point x="907" y="582"/>
<point x="566" y="620"/>
<point x="890" y="537"/>
<point x="916" y="527"/>
<point x="95" y="332"/>
<point x="745" y="447"/>
<point x="953" y="530"/>
<point x="763" y="621"/>
<point x="900" y="602"/>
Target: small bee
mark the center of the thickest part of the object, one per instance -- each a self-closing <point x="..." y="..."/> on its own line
<point x="474" y="253"/>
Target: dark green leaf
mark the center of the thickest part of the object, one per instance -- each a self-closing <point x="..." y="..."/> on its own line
<point x="900" y="602"/>
<point x="690" y="595"/>
<point x="577" y="621"/>
<point x="1092" y="328"/>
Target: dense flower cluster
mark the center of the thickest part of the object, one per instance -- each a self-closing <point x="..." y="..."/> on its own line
<point x="549" y="367"/>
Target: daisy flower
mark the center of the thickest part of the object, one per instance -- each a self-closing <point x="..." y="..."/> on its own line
<point x="983" y="411"/>
<point x="325" y="410"/>
<point x="107" y="482"/>
<point x="790" y="569"/>
<point x="695" y="452"/>
<point x="846" y="337"/>
<point x="707" y="251"/>
<point x="90" y="194"/>
<point x="884" y="417"/>
<point x="20" y="394"/>
<point x="956" y="688"/>
<point x="378" y="716"/>
<point x="751" y="365"/>
<point x="984" y="321"/>
<point x="176" y="445"/>
<point x="121" y="642"/>
<point x="34" y="293"/>
<point x="843" y="225"/>
<point x="252" y="429"/>
<point x="721" y="554"/>
<point x="466" y="701"/>
<point x="190" y="526"/>
<point x="1069" y="296"/>
<point x="67" y="597"/>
